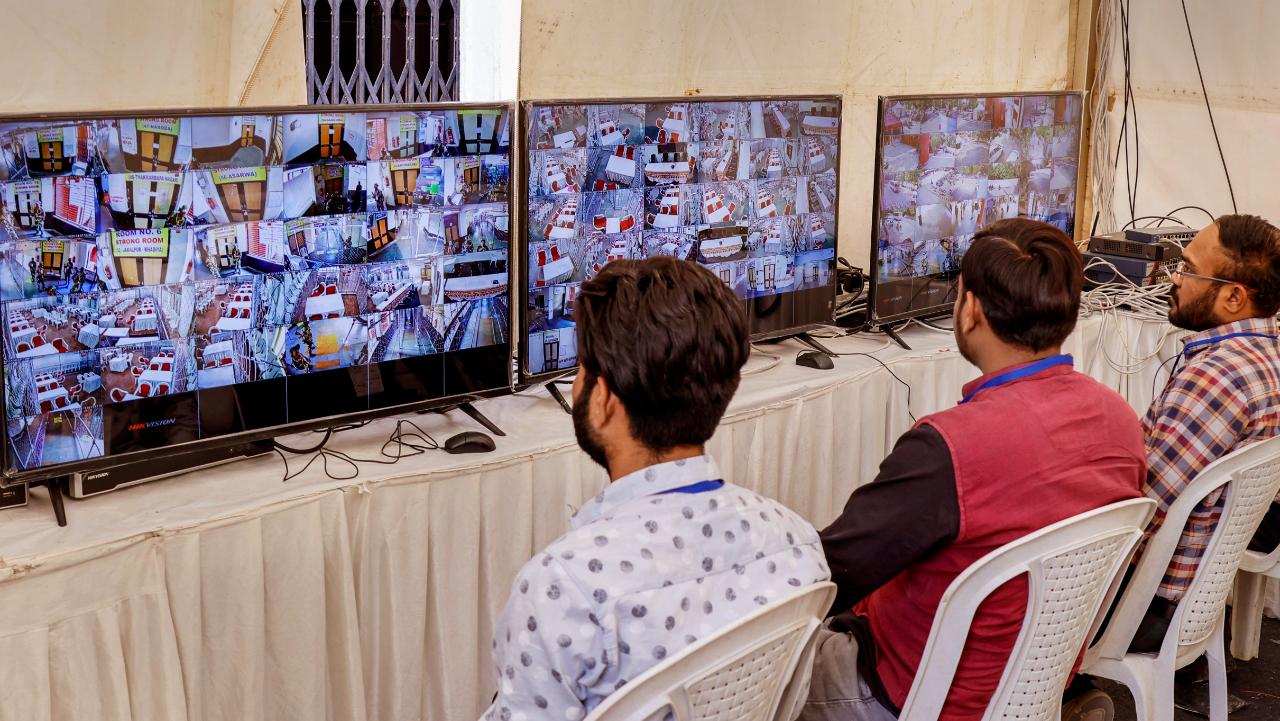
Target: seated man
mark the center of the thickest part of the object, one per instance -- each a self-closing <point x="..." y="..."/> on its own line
<point x="669" y="552"/>
<point x="1032" y="442"/>
<point x="1223" y="393"/>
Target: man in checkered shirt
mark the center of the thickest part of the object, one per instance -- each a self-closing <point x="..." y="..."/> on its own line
<point x="1224" y="391"/>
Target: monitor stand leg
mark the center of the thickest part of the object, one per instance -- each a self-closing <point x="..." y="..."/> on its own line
<point x="480" y="418"/>
<point x="55" y="495"/>
<point x="894" y="335"/>
<point x="814" y="344"/>
<point x="554" y="389"/>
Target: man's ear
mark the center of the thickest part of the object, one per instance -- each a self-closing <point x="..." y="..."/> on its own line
<point x="1235" y="300"/>
<point x="603" y="401"/>
<point x="971" y="315"/>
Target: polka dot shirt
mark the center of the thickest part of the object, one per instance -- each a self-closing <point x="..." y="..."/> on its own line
<point x="644" y="573"/>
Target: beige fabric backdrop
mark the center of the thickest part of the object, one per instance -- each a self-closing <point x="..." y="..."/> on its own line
<point x="859" y="50"/>
<point x="83" y="55"/>
<point x="1179" y="163"/>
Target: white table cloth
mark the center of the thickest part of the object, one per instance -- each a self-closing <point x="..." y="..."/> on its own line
<point x="226" y="594"/>
<point x="89" y="336"/>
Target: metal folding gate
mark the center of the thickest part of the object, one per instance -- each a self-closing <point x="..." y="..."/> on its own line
<point x="369" y="51"/>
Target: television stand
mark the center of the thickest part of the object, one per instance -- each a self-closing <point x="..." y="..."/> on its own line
<point x="813" y="343"/>
<point x="893" y="334"/>
<point x="55" y="486"/>
<point x="471" y="411"/>
<point x="480" y="418"/>
<point x="553" y="387"/>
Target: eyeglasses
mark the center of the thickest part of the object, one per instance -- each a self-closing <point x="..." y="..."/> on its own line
<point x="1179" y="271"/>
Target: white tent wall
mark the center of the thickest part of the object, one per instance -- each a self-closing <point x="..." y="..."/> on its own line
<point x="488" y="50"/>
<point x="856" y="48"/>
<point x="85" y="55"/>
<point x="1178" y="163"/>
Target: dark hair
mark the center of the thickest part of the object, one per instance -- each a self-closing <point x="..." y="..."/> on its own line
<point x="1252" y="248"/>
<point x="1028" y="276"/>
<point x="670" y="339"/>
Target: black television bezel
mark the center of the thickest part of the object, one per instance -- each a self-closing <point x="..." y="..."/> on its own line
<point x="520" y="332"/>
<point x="241" y="438"/>
<point x="873" y="268"/>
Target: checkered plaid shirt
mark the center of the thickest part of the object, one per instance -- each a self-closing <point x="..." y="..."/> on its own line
<point x="1223" y="394"/>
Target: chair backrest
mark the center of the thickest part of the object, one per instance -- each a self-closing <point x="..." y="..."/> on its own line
<point x="1073" y="570"/>
<point x="737" y="674"/>
<point x="1249" y="478"/>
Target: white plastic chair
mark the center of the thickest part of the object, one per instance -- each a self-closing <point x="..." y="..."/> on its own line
<point x="1073" y="569"/>
<point x="740" y="673"/>
<point x="1250" y="478"/>
<point x="1246" y="609"/>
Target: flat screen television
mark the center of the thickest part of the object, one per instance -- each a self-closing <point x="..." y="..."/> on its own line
<point x="948" y="165"/>
<point x="746" y="186"/>
<point x="178" y="279"/>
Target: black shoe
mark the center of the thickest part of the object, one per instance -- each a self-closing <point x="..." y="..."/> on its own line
<point x="1095" y="705"/>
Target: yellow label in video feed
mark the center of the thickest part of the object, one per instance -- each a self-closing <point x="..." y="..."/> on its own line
<point x="152" y="243"/>
<point x="239" y="175"/>
<point x="167" y="126"/>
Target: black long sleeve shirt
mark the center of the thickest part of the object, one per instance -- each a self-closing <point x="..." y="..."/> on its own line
<point x="903" y="516"/>
<point x="906" y="514"/>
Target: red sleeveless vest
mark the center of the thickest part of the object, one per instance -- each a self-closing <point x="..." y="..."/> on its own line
<point x="1026" y="454"/>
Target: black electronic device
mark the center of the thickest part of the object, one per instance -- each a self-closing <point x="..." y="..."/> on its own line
<point x="178" y="285"/>
<point x="815" y="359"/>
<point x="1118" y="244"/>
<point x="469" y="442"/>
<point x="13" y="496"/>
<point x="1101" y="269"/>
<point x="1177" y="233"/>
<point x="82" y="484"/>
<point x="949" y="165"/>
<point x="745" y="186"/>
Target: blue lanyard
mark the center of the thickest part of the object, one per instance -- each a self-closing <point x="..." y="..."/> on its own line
<point x="1020" y="373"/>
<point x="699" y="487"/>
<point x="1177" y="360"/>
<point x="1216" y="338"/>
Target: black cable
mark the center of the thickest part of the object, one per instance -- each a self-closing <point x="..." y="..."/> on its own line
<point x="418" y="442"/>
<point x="277" y="445"/>
<point x="322" y="454"/>
<point x="1208" y="107"/>
<point x="341" y="429"/>
<point x="890" y="370"/>
<point x="1125" y="12"/>
<point x="1156" y="377"/>
<point x="1151" y="217"/>
<point x="1212" y="218"/>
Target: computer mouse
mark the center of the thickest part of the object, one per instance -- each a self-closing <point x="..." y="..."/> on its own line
<point x="469" y="442"/>
<point x="815" y="359"/>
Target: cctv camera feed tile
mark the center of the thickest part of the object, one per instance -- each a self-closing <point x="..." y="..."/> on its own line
<point x="746" y="188"/>
<point x="259" y="261"/>
<point x="952" y="165"/>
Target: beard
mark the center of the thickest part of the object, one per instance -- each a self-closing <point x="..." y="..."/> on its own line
<point x="588" y="439"/>
<point x="962" y="341"/>
<point x="1194" y="315"/>
<point x="962" y="344"/>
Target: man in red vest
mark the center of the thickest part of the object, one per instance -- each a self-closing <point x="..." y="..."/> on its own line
<point x="1031" y="443"/>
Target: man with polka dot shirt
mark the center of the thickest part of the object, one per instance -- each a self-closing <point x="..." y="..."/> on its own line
<point x="669" y="552"/>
